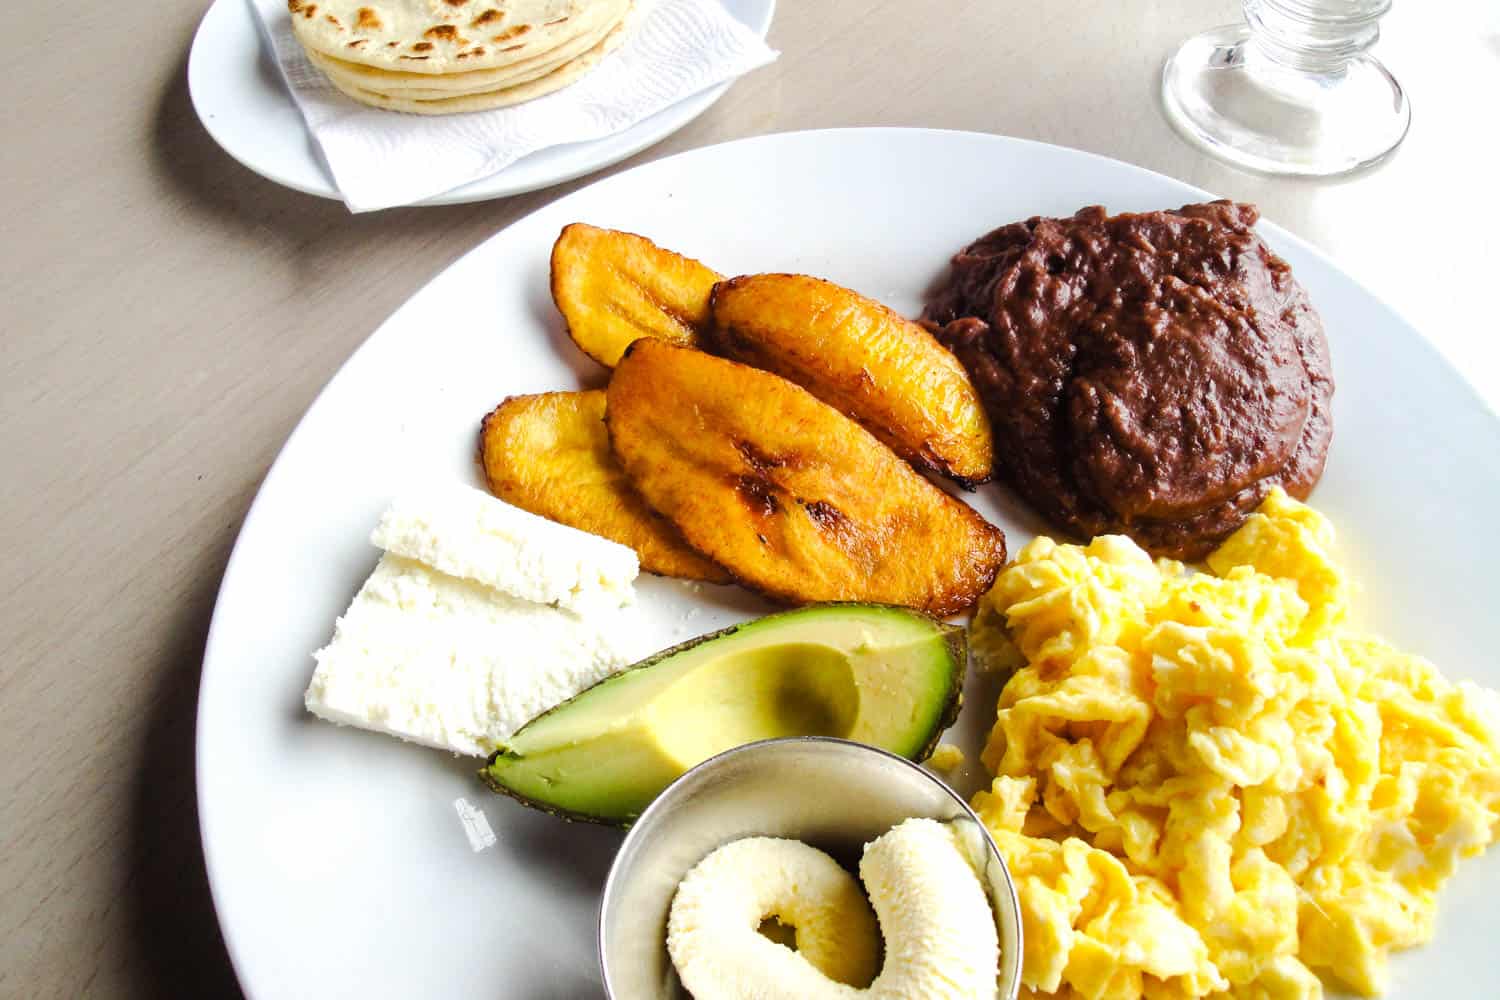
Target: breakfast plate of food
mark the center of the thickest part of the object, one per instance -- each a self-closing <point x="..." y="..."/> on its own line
<point x="587" y="633"/>
<point x="239" y="94"/>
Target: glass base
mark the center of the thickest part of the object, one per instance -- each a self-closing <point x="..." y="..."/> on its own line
<point x="1227" y="97"/>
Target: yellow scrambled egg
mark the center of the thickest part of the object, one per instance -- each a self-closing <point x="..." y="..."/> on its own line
<point x="1206" y="786"/>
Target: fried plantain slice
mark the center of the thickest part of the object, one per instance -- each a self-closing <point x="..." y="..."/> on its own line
<point x="788" y="494"/>
<point x="613" y="287"/>
<point x="550" y="454"/>
<point x="862" y="359"/>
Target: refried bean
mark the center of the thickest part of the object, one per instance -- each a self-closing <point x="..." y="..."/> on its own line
<point x="1154" y="374"/>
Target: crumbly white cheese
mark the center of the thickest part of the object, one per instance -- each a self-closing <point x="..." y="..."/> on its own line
<point x="452" y="664"/>
<point x="940" y="936"/>
<point x="467" y="533"/>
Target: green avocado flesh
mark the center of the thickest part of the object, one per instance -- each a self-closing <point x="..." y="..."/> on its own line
<point x="890" y="677"/>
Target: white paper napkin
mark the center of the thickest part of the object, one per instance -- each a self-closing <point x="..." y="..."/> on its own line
<point x="381" y="159"/>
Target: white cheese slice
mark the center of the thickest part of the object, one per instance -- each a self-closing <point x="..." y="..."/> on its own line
<point x="452" y="664"/>
<point x="467" y="533"/>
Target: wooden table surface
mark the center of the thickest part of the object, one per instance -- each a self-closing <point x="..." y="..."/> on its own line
<point x="168" y="316"/>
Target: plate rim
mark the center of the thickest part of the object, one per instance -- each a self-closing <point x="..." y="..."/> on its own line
<point x="213" y="638"/>
<point x="689" y="109"/>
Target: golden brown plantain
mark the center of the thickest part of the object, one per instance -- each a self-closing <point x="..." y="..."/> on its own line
<point x="862" y="359"/>
<point x="549" y="454"/>
<point x="614" y="287"/>
<point x="788" y="494"/>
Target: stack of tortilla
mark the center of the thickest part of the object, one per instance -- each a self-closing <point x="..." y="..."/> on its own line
<point x="437" y="57"/>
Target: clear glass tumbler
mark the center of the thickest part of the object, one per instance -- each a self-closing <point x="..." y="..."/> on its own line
<point x="1293" y="90"/>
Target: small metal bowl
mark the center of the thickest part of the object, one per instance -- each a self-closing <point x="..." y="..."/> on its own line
<point x="831" y="793"/>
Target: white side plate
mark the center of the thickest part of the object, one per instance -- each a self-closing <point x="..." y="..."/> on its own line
<point x="241" y="99"/>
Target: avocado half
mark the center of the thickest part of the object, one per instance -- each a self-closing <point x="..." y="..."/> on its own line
<point x="891" y="677"/>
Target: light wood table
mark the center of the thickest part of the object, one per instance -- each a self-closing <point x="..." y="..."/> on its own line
<point x="169" y="315"/>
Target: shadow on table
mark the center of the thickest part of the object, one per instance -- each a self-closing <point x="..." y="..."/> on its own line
<point x="176" y="939"/>
<point x="188" y="162"/>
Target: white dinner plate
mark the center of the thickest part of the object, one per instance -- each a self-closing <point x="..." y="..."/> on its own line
<point x="339" y="862"/>
<point x="240" y="97"/>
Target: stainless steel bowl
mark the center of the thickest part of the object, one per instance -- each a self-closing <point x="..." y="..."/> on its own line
<point x="833" y="794"/>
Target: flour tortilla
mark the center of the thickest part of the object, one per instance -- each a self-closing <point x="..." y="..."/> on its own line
<point x="338" y="74"/>
<point x="444" y="36"/>
<point x="427" y="86"/>
<point x="569" y="72"/>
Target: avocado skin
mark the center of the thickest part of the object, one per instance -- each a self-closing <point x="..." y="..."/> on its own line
<point x="563" y="814"/>
<point x="954" y="638"/>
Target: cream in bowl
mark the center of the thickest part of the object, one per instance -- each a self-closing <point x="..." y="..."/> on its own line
<point x="740" y="881"/>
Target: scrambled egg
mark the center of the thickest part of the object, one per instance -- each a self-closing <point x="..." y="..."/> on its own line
<point x="946" y="757"/>
<point x="1206" y="786"/>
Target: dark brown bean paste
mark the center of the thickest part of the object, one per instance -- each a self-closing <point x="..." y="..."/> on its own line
<point x="1154" y="374"/>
